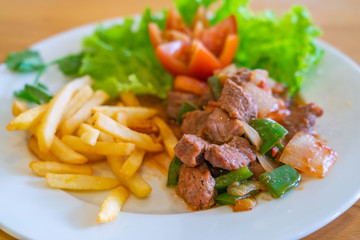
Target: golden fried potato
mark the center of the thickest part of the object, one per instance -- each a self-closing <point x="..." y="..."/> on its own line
<point x="136" y="184"/>
<point x="112" y="205"/>
<point x="27" y="119"/>
<point x="132" y="163"/>
<point x="168" y="136"/>
<point x="41" y="168"/>
<point x="111" y="127"/>
<point x="129" y="99"/>
<point x="19" y="107"/>
<point x="105" y="148"/>
<point x="80" y="182"/>
<point x="55" y="111"/>
<point x="70" y="125"/>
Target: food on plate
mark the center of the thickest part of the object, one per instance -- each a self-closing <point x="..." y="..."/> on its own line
<point x="93" y="137"/>
<point x="230" y="79"/>
<point x="249" y="140"/>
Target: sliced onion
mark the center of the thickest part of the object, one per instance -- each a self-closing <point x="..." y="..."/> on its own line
<point x="308" y="154"/>
<point x="242" y="189"/>
<point x="266" y="163"/>
<point x="264" y="100"/>
<point x="251" y="134"/>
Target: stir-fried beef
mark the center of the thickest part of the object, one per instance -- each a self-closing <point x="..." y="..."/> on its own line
<point x="301" y="118"/>
<point x="220" y="128"/>
<point x="205" y="98"/>
<point x="256" y="169"/>
<point x="232" y="155"/>
<point x="176" y="100"/>
<point x="190" y="150"/>
<point x="236" y="102"/>
<point x="193" y="122"/>
<point x="241" y="75"/>
<point x="196" y="186"/>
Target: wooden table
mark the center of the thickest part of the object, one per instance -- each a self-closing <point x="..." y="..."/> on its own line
<point x="23" y="23"/>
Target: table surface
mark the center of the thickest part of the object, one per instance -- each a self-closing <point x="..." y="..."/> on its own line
<point x="23" y="23"/>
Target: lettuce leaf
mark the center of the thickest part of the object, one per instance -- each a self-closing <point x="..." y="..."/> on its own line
<point x="282" y="45"/>
<point x="121" y="58"/>
<point x="188" y="8"/>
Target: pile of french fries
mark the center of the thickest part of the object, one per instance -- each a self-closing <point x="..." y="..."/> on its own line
<point x="75" y="129"/>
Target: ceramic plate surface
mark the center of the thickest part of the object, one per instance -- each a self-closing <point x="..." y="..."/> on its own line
<point x="30" y="209"/>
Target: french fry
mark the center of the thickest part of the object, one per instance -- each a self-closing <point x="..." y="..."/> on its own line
<point x="132" y="112"/>
<point x="104" y="137"/>
<point x="94" y="157"/>
<point x="143" y="125"/>
<point x="121" y="117"/>
<point x="65" y="153"/>
<point x="163" y="160"/>
<point x="77" y="101"/>
<point x="54" y="112"/>
<point x="27" y="119"/>
<point x="70" y="125"/>
<point x="41" y="168"/>
<point x="112" y="205"/>
<point x="105" y="148"/>
<point x="34" y="148"/>
<point x="136" y="184"/>
<point x="89" y="135"/>
<point x="169" y="138"/>
<point x="111" y="127"/>
<point x="19" y="107"/>
<point x="61" y="151"/>
<point x="129" y="99"/>
<point x="132" y="163"/>
<point x="80" y="182"/>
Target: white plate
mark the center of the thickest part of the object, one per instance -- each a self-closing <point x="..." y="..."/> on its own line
<point x="29" y="209"/>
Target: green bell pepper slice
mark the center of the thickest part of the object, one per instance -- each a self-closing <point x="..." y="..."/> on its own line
<point x="270" y="133"/>
<point x="173" y="173"/>
<point x="238" y="175"/>
<point x="215" y="86"/>
<point x="280" y="180"/>
<point x="185" y="107"/>
<point x="228" y="199"/>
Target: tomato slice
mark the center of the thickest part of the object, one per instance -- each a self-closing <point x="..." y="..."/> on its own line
<point x="214" y="37"/>
<point x="203" y="62"/>
<point x="155" y="34"/>
<point x="167" y="55"/>
<point x="189" y="84"/>
<point x="175" y="22"/>
<point x="229" y="49"/>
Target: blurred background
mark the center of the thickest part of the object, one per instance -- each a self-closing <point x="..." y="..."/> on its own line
<point x="23" y="23"/>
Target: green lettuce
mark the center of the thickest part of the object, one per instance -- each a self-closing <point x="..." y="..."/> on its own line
<point x="285" y="45"/>
<point x="121" y="58"/>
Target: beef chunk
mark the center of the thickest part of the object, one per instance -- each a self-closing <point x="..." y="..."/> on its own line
<point x="176" y="100"/>
<point x="241" y="75"/>
<point x="190" y="150"/>
<point x="301" y="118"/>
<point x="236" y="102"/>
<point x="196" y="186"/>
<point x="205" y="98"/>
<point x="220" y="128"/>
<point x="256" y="169"/>
<point x="193" y="122"/>
<point x="232" y="155"/>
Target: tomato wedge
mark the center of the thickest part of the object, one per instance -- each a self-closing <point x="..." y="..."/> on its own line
<point x="166" y="54"/>
<point x="195" y="51"/>
<point x="189" y="84"/>
<point x="203" y="62"/>
<point x="214" y="37"/>
<point x="229" y="49"/>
